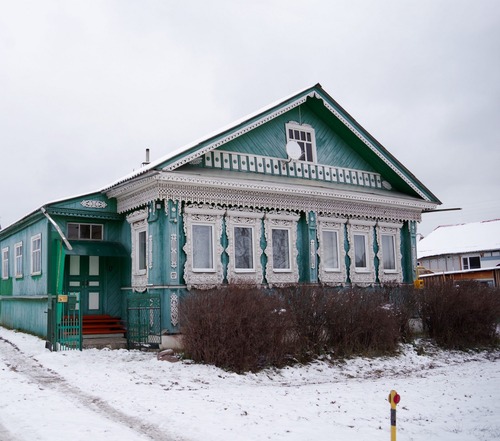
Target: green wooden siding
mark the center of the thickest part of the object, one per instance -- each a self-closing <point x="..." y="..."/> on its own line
<point x="26" y="314"/>
<point x="270" y="140"/>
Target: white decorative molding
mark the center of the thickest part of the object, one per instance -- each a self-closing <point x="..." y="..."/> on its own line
<point x="366" y="276"/>
<point x="236" y="134"/>
<point x="138" y="222"/>
<point x="250" y="219"/>
<point x="174" y="309"/>
<point x="390" y="276"/>
<point x="90" y="203"/>
<point x="137" y="216"/>
<point x="296" y="169"/>
<point x="312" y="254"/>
<point x="286" y="220"/>
<point x="150" y="251"/>
<point x="332" y="277"/>
<point x="173" y="250"/>
<point x="334" y="200"/>
<point x="282" y="110"/>
<point x="204" y="214"/>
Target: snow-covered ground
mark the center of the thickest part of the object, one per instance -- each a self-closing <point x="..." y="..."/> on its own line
<point x="103" y="395"/>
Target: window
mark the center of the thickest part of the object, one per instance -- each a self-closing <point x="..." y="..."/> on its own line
<point x="18" y="259"/>
<point x="36" y="254"/>
<point x="281" y="249"/>
<point x="141" y="256"/>
<point x="243" y="231"/>
<point x="203" y="248"/>
<point x="142" y="248"/>
<point x="5" y="263"/>
<point x="471" y="262"/>
<point x="360" y="260"/>
<point x="203" y="228"/>
<point x="304" y="136"/>
<point x="85" y="231"/>
<point x="330" y="250"/>
<point x="331" y="233"/>
<point x="243" y="249"/>
<point x="388" y="252"/>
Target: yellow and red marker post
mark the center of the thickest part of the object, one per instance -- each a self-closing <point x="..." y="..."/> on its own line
<point x="394" y="399"/>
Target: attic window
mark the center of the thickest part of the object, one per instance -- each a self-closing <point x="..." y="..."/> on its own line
<point x="304" y="136"/>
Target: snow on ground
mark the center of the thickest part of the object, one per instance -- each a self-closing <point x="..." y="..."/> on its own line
<point x="104" y="395"/>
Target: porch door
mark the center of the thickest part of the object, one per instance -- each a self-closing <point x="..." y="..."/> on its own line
<point x="84" y="279"/>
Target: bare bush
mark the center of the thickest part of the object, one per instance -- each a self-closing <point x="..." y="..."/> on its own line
<point x="239" y="329"/>
<point x="461" y="316"/>
<point x="362" y="322"/>
<point x="307" y="307"/>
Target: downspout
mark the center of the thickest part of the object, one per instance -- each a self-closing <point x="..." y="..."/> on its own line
<point x="58" y="229"/>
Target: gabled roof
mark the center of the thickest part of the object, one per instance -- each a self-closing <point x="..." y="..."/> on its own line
<point x="463" y="238"/>
<point x="325" y="107"/>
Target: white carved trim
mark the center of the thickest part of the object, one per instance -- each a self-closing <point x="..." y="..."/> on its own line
<point x="330" y="277"/>
<point x="138" y="215"/>
<point x="288" y="221"/>
<point x="268" y="195"/>
<point x="174" y="309"/>
<point x="366" y="276"/>
<point x="138" y="222"/>
<point x="282" y="110"/>
<point x="390" y="276"/>
<point x="90" y="203"/>
<point x="235" y="134"/>
<point x="204" y="214"/>
<point x="173" y="250"/>
<point x="246" y="219"/>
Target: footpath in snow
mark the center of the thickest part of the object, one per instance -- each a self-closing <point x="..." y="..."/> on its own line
<point x="103" y="395"/>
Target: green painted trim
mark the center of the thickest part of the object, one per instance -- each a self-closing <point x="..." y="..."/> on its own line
<point x="347" y="259"/>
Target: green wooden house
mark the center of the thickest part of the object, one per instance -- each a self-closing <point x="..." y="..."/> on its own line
<point x="297" y="192"/>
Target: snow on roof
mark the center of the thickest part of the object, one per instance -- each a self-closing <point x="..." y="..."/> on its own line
<point x="462" y="238"/>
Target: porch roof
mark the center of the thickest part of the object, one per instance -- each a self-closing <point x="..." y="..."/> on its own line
<point x="96" y="248"/>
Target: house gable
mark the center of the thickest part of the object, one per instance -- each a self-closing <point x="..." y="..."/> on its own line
<point x="341" y="142"/>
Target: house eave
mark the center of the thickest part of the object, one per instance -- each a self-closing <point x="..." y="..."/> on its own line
<point x="245" y="192"/>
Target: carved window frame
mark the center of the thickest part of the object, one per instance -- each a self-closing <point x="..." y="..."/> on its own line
<point x="203" y="215"/>
<point x="330" y="275"/>
<point x="390" y="275"/>
<point x="362" y="276"/>
<point x="138" y="221"/>
<point x="286" y="221"/>
<point x="247" y="219"/>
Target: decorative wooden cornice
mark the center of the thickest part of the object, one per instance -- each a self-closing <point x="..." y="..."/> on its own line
<point x="258" y="194"/>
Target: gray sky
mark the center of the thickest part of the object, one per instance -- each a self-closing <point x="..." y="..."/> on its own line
<point x="86" y="86"/>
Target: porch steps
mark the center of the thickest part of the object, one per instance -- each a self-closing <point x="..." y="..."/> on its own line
<point x="97" y="325"/>
<point x="103" y="331"/>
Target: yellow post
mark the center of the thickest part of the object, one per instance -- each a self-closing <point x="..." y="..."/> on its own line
<point x="394" y="399"/>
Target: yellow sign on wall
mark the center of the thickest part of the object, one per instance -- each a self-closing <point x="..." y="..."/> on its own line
<point x="62" y="298"/>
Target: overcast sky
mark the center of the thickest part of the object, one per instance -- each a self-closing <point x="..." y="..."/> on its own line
<point x="87" y="86"/>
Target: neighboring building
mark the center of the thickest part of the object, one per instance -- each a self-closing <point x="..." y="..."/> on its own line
<point x="298" y="192"/>
<point x="463" y="252"/>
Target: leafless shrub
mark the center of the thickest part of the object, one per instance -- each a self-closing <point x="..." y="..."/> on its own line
<point x="461" y="316"/>
<point x="362" y="322"/>
<point x="239" y="329"/>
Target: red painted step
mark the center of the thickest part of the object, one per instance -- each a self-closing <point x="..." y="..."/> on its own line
<point x="101" y="324"/>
